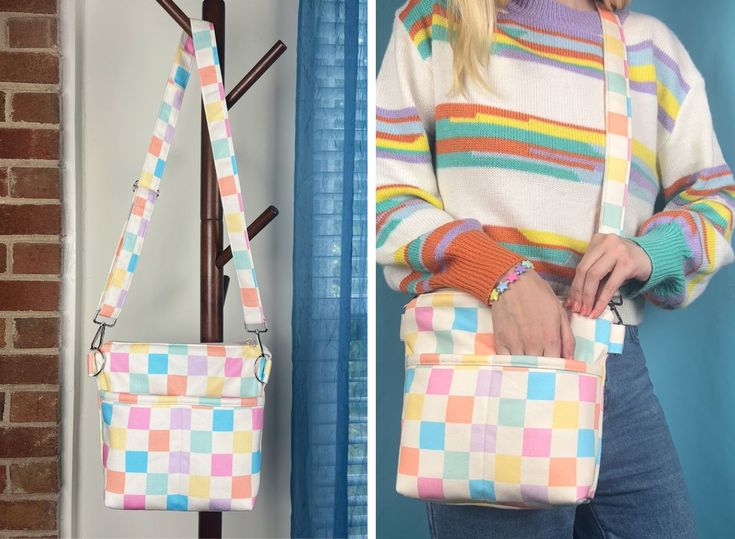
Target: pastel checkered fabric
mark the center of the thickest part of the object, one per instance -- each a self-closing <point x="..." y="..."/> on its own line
<point x="181" y="423"/>
<point x="225" y="162"/>
<point x="199" y="454"/>
<point x="618" y="125"/>
<point x="125" y="261"/>
<point x="508" y="431"/>
<point x="195" y="370"/>
<point x="450" y="321"/>
<point x="130" y="244"/>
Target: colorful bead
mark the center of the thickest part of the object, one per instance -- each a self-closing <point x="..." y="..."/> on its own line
<point x="508" y="278"/>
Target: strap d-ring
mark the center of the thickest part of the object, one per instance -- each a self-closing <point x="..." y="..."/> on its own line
<point x="259" y="367"/>
<point x="94" y="349"/>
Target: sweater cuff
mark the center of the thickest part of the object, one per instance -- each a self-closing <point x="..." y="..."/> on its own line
<point x="475" y="264"/>
<point x="666" y="246"/>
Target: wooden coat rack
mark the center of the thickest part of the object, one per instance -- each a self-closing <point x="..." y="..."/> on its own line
<point x="213" y="283"/>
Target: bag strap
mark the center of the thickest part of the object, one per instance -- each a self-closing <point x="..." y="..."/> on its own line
<point x="618" y="125"/>
<point x="125" y="261"/>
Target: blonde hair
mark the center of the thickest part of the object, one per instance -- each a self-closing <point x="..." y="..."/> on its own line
<point x="471" y="24"/>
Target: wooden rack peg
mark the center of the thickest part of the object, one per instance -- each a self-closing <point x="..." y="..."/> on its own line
<point x="212" y="257"/>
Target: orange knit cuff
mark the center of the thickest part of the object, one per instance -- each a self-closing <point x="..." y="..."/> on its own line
<point x="475" y="263"/>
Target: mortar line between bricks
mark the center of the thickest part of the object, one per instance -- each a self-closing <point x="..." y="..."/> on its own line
<point x="17" y="124"/>
<point x="5" y="35"/>
<point x="52" y="389"/>
<point x="29" y="87"/>
<point x="40" y="351"/>
<point x="28" y="387"/>
<point x="13" y="241"/>
<point x="27" y="497"/>
<point x="30" y="278"/>
<point x="31" y="534"/>
<point x="29" y="424"/>
<point x="26" y="163"/>
<point x="29" y="238"/>
<point x="5" y="461"/>
<point x="29" y="351"/>
<point x="8" y="201"/>
<point x="29" y="314"/>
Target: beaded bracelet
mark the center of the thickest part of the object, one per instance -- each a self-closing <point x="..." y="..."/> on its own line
<point x="510" y="277"/>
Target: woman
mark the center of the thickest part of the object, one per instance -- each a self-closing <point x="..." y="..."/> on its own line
<point x="486" y="159"/>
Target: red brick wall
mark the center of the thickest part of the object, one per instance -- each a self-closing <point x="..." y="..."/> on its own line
<point x="30" y="267"/>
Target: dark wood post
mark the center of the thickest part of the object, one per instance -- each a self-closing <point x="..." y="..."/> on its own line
<point x="211" y="288"/>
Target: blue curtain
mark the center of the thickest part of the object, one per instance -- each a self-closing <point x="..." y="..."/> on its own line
<point x="329" y="321"/>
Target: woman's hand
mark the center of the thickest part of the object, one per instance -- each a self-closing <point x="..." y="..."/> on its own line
<point x="528" y="319"/>
<point x="611" y="260"/>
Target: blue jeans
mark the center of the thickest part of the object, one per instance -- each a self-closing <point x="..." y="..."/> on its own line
<point x="640" y="493"/>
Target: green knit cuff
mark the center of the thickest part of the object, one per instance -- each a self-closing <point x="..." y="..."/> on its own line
<point x="666" y="246"/>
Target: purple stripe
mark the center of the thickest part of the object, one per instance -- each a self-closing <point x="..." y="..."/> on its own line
<point x="556" y="155"/>
<point x="642" y="45"/>
<point x="406" y="158"/>
<point x="693" y="240"/>
<point x="523" y="55"/>
<point x="643" y="183"/>
<point x="397" y="113"/>
<point x="665" y="59"/>
<point x="665" y="120"/>
<point x="461" y="227"/>
<point x="714" y="170"/>
<point x="644" y="87"/>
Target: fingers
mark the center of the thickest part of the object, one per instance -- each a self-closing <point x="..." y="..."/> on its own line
<point x="552" y="334"/>
<point x="592" y="278"/>
<point x="567" y="338"/>
<point x="576" y="289"/>
<point x="614" y="282"/>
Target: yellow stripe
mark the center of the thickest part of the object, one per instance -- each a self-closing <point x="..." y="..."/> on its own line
<point x="642" y="73"/>
<point x="506" y="40"/>
<point x="538" y="126"/>
<point x="667" y="101"/>
<point x="384" y="193"/>
<point x="554" y="240"/>
<point x="439" y="20"/>
<point x="421" y="144"/>
<point x="421" y="35"/>
<point x="645" y="154"/>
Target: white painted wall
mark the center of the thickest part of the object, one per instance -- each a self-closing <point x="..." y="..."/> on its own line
<point x="124" y="52"/>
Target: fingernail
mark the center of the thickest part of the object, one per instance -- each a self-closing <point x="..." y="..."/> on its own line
<point x="585" y="310"/>
<point x="576" y="306"/>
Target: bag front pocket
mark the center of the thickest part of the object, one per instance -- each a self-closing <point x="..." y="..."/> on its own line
<point x="500" y="430"/>
<point x="180" y="453"/>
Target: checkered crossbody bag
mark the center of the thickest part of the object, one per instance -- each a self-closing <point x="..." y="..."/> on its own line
<point x="513" y="431"/>
<point x="181" y="423"/>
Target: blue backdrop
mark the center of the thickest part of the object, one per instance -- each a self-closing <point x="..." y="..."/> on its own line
<point x="329" y="320"/>
<point x="692" y="376"/>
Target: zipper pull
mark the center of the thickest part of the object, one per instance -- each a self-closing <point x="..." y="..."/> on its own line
<point x="616" y="301"/>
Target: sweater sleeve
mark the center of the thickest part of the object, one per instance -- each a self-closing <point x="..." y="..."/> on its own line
<point x="421" y="245"/>
<point x="689" y="240"/>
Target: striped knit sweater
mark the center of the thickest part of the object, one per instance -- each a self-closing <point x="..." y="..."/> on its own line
<point x="469" y="186"/>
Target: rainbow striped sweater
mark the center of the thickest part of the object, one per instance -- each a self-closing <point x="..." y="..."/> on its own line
<point x="470" y="185"/>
